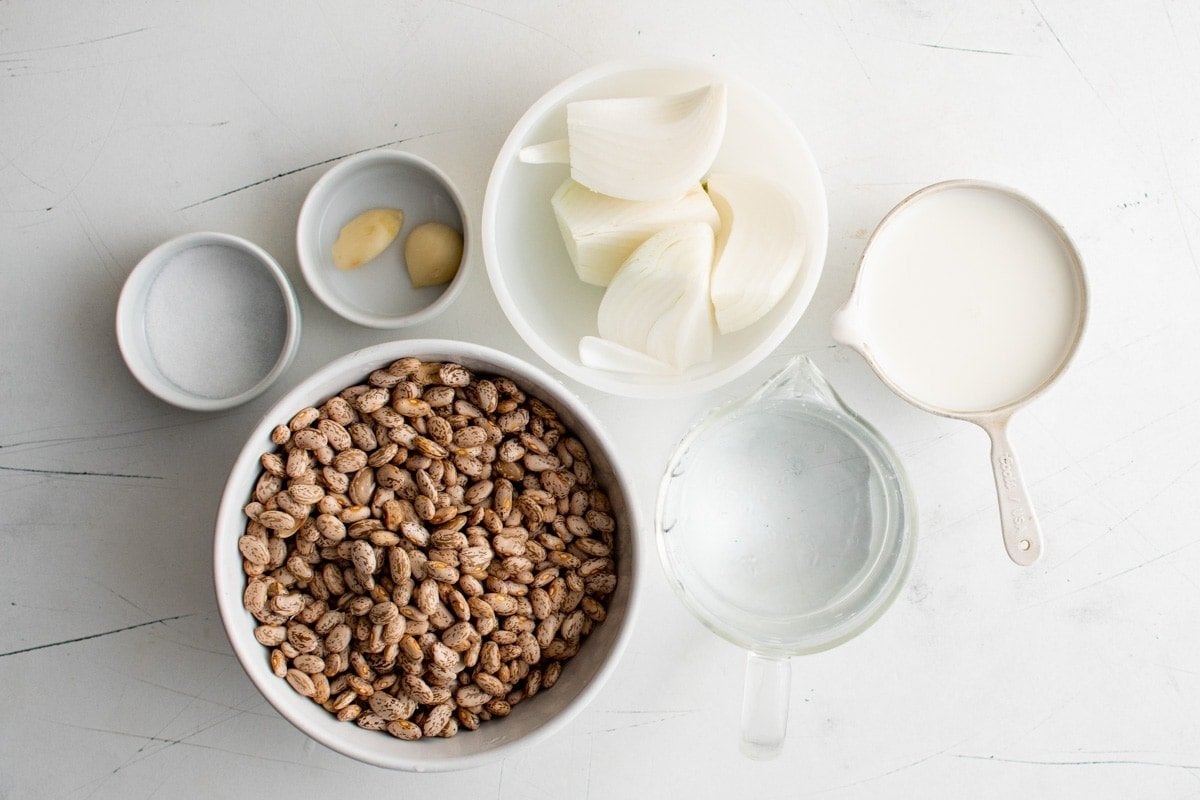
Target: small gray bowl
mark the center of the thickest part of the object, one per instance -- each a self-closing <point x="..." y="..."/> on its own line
<point x="379" y="293"/>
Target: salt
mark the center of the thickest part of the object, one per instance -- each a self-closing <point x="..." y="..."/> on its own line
<point x="215" y="321"/>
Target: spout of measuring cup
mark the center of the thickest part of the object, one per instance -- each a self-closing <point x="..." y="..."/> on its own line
<point x="765" y="703"/>
<point x="799" y="380"/>
<point x="847" y="327"/>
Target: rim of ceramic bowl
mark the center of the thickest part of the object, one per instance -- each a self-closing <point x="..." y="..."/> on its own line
<point x="311" y="268"/>
<point x="130" y="320"/>
<point x="239" y="625"/>
<point x="612" y="382"/>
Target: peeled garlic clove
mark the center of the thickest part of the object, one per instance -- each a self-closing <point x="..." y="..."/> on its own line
<point x="646" y="148"/>
<point x="432" y="252"/>
<point x="366" y="236"/>
<point x="602" y="354"/>
<point x="601" y="232"/>
<point x="658" y="302"/>
<point x="760" y="248"/>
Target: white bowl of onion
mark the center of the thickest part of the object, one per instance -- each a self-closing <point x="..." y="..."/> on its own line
<point x="664" y="240"/>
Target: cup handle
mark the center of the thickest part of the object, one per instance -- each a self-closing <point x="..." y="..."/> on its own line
<point x="1018" y="522"/>
<point x="765" y="705"/>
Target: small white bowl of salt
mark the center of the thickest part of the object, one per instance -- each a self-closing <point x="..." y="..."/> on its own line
<point x="207" y="321"/>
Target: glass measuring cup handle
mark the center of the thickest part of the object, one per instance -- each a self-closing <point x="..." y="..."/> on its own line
<point x="1018" y="522"/>
<point x="765" y="702"/>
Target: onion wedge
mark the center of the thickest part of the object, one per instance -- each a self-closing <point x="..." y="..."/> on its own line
<point x="646" y="148"/>
<point x="658" y="302"/>
<point x="760" y="248"/>
<point x="552" y="152"/>
<point x="601" y="232"/>
<point x="602" y="354"/>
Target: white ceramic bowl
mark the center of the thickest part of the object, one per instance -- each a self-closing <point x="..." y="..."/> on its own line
<point x="528" y="263"/>
<point x="379" y="294"/>
<point x="207" y="321"/>
<point x="531" y="721"/>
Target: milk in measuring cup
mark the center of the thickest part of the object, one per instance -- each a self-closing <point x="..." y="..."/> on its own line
<point x="969" y="301"/>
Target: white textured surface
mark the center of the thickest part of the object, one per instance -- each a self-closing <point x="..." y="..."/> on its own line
<point x="127" y="123"/>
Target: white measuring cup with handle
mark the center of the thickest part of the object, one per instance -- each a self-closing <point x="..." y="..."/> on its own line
<point x="970" y="301"/>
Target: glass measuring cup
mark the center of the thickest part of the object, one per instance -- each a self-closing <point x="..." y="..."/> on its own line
<point x="786" y="525"/>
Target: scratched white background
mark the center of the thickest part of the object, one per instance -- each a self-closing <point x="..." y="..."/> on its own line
<point x="125" y="123"/>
